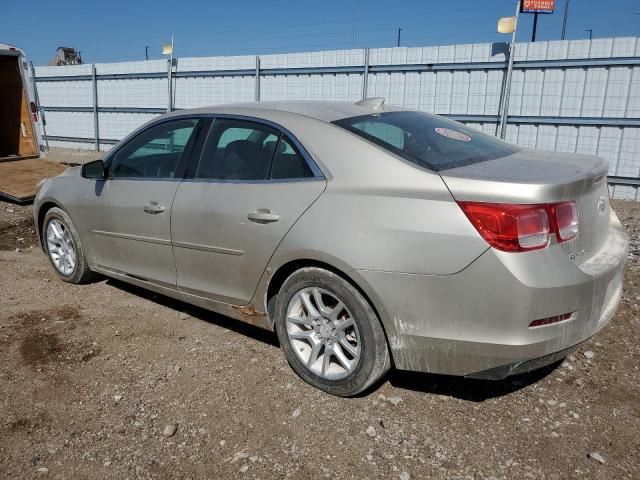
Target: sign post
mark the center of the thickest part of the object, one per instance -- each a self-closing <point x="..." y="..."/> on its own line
<point x="536" y="7"/>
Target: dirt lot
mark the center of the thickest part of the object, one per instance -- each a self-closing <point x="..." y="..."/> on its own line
<point x="91" y="377"/>
<point x="73" y="157"/>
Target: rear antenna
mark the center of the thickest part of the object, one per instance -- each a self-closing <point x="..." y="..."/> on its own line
<point x="373" y="102"/>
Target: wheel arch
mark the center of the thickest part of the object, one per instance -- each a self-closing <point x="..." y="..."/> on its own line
<point x="283" y="272"/>
<point x="42" y="212"/>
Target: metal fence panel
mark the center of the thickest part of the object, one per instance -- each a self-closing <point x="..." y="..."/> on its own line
<point x="573" y="96"/>
<point x="70" y="124"/>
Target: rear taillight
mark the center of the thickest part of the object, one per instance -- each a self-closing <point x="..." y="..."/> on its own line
<point x="512" y="228"/>
<point x="521" y="228"/>
<point x="566" y="215"/>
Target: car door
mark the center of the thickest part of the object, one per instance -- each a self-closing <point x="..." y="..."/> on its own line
<point x="249" y="186"/>
<point x="128" y="214"/>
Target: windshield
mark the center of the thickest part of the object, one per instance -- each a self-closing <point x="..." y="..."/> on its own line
<point x="429" y="141"/>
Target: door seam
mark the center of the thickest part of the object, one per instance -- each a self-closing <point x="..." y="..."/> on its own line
<point x="253" y="295"/>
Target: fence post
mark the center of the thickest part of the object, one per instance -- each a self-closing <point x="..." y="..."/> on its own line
<point x="365" y="74"/>
<point x="257" y="85"/>
<point x="94" y="84"/>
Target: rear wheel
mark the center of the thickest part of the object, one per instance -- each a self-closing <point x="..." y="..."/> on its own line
<point x="63" y="247"/>
<point x="331" y="336"/>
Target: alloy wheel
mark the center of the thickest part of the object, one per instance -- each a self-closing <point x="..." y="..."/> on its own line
<point x="60" y="247"/>
<point x="323" y="333"/>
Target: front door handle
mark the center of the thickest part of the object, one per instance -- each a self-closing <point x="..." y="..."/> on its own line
<point x="153" y="208"/>
<point x="263" y="216"/>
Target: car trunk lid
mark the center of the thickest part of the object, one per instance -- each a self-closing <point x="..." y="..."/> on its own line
<point x="533" y="177"/>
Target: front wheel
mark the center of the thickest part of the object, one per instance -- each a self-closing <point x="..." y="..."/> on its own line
<point x="62" y="246"/>
<point x="330" y="334"/>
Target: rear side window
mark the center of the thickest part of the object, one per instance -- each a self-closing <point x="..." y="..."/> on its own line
<point x="237" y="150"/>
<point x="429" y="141"/>
<point x="248" y="151"/>
<point x="288" y="163"/>
<point x="232" y="134"/>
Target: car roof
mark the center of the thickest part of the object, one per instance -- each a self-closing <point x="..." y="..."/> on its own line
<point x="321" y="110"/>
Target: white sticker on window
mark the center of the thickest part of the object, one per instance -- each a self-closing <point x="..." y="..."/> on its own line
<point x="453" y="134"/>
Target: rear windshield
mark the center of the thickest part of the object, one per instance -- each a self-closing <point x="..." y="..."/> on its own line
<point x="427" y="140"/>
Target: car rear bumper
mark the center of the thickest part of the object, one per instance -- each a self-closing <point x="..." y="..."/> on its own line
<point x="476" y="322"/>
<point x="516" y="368"/>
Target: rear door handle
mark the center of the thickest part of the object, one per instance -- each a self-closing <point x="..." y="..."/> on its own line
<point x="153" y="208"/>
<point x="263" y="216"/>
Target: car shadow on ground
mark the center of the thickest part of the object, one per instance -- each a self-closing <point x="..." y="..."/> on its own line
<point x="222" y="321"/>
<point x="468" y="388"/>
<point x="447" y="385"/>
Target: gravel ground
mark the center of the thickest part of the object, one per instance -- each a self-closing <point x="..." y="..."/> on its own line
<point x="108" y="381"/>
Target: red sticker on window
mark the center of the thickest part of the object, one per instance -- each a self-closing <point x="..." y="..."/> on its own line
<point x="453" y="134"/>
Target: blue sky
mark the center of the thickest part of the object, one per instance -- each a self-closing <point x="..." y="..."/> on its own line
<point x="119" y="30"/>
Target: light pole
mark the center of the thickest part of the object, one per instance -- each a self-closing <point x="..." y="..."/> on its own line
<point x="398" y="43"/>
<point x="564" y="19"/>
<point x="590" y="33"/>
<point x="355" y="11"/>
<point x="504" y="25"/>
<point x="168" y="50"/>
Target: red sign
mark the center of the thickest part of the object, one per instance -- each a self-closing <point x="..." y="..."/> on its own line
<point x="537" y="6"/>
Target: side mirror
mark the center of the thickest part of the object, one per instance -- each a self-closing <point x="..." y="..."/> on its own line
<point x="93" y="169"/>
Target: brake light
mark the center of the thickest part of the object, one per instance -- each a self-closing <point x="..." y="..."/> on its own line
<point x="521" y="228"/>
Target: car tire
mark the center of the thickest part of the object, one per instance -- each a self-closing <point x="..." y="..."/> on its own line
<point x="363" y="347"/>
<point x="64" y="238"/>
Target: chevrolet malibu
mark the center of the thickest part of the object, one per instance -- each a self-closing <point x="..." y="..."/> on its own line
<point x="366" y="236"/>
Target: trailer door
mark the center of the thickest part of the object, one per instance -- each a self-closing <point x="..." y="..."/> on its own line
<point x="17" y="139"/>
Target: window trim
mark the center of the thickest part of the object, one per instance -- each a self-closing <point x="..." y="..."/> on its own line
<point x="190" y="159"/>
<point x="184" y="159"/>
<point x="318" y="174"/>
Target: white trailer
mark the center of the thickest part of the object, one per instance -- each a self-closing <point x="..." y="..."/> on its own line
<point x="20" y="135"/>
<point x="21" y="147"/>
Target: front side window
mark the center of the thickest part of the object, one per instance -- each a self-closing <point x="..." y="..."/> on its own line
<point x="429" y="141"/>
<point x="247" y="151"/>
<point x="155" y="152"/>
